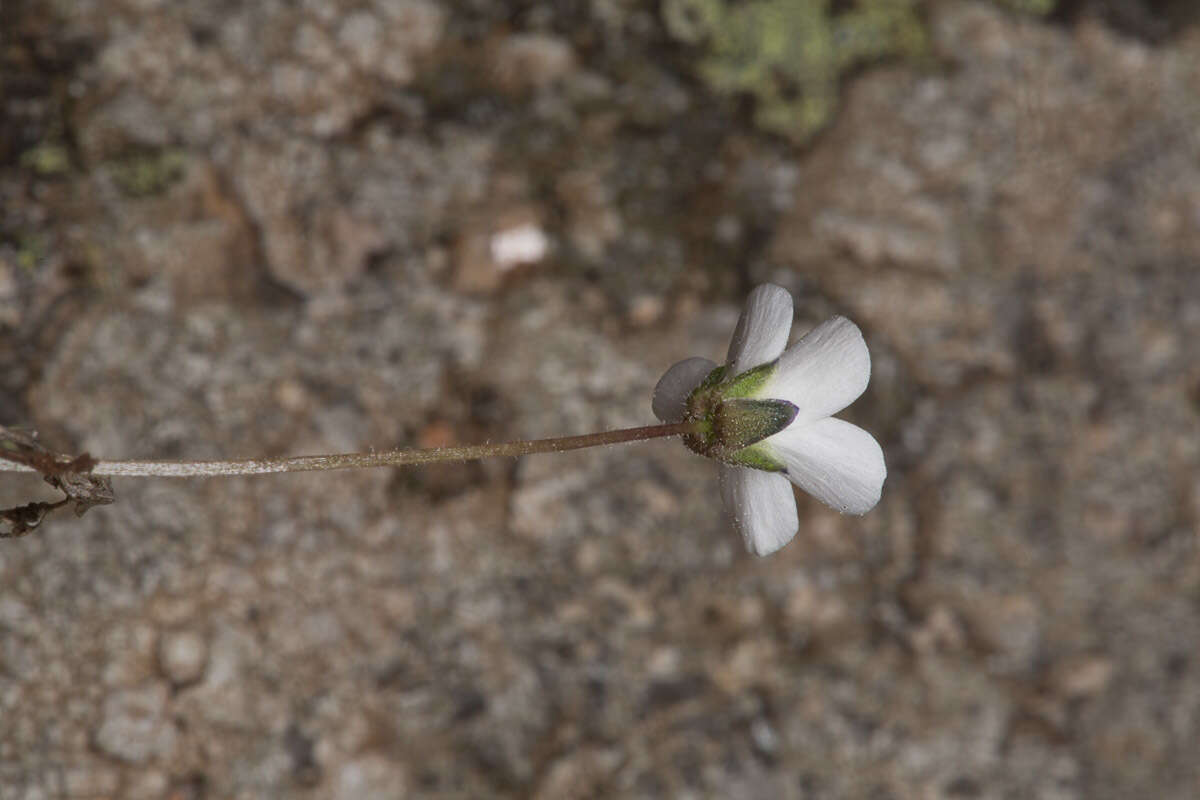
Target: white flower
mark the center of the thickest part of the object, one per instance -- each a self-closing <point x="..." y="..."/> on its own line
<point x="766" y="416"/>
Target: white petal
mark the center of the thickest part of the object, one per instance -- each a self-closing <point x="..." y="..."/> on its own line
<point x="824" y="372"/>
<point x="762" y="331"/>
<point x="761" y="505"/>
<point x="838" y="463"/>
<point x="671" y="393"/>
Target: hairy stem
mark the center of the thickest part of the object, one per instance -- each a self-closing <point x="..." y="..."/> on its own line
<point x="385" y="458"/>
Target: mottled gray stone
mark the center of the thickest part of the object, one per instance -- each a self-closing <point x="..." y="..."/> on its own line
<point x="135" y="726"/>
<point x="1013" y="226"/>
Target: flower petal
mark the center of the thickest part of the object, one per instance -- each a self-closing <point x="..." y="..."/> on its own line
<point x="823" y="372"/>
<point x="670" y="395"/>
<point x="761" y="505"/>
<point x="838" y="463"/>
<point x="762" y="330"/>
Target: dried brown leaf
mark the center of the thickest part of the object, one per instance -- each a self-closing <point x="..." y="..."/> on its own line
<point x="69" y="474"/>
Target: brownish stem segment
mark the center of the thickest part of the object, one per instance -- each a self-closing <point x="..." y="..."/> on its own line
<point x="385" y="458"/>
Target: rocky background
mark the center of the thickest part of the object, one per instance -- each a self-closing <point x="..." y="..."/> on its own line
<point x="323" y="225"/>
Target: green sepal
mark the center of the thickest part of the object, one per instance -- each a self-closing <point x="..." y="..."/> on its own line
<point x="747" y="383"/>
<point x="755" y="457"/>
<point x="740" y="423"/>
<point x="703" y="398"/>
<point x="712" y="379"/>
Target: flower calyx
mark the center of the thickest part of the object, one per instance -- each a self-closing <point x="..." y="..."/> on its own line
<point x="729" y="420"/>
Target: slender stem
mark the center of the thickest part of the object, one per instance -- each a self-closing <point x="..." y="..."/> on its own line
<point x="385" y="458"/>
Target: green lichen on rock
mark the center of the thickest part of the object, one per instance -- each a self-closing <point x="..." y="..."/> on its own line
<point x="47" y="159"/>
<point x="31" y="251"/>
<point x="790" y="54"/>
<point x="149" y="174"/>
<point x="1036" y="7"/>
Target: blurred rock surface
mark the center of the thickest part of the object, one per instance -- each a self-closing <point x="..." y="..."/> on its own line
<point x="253" y="246"/>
